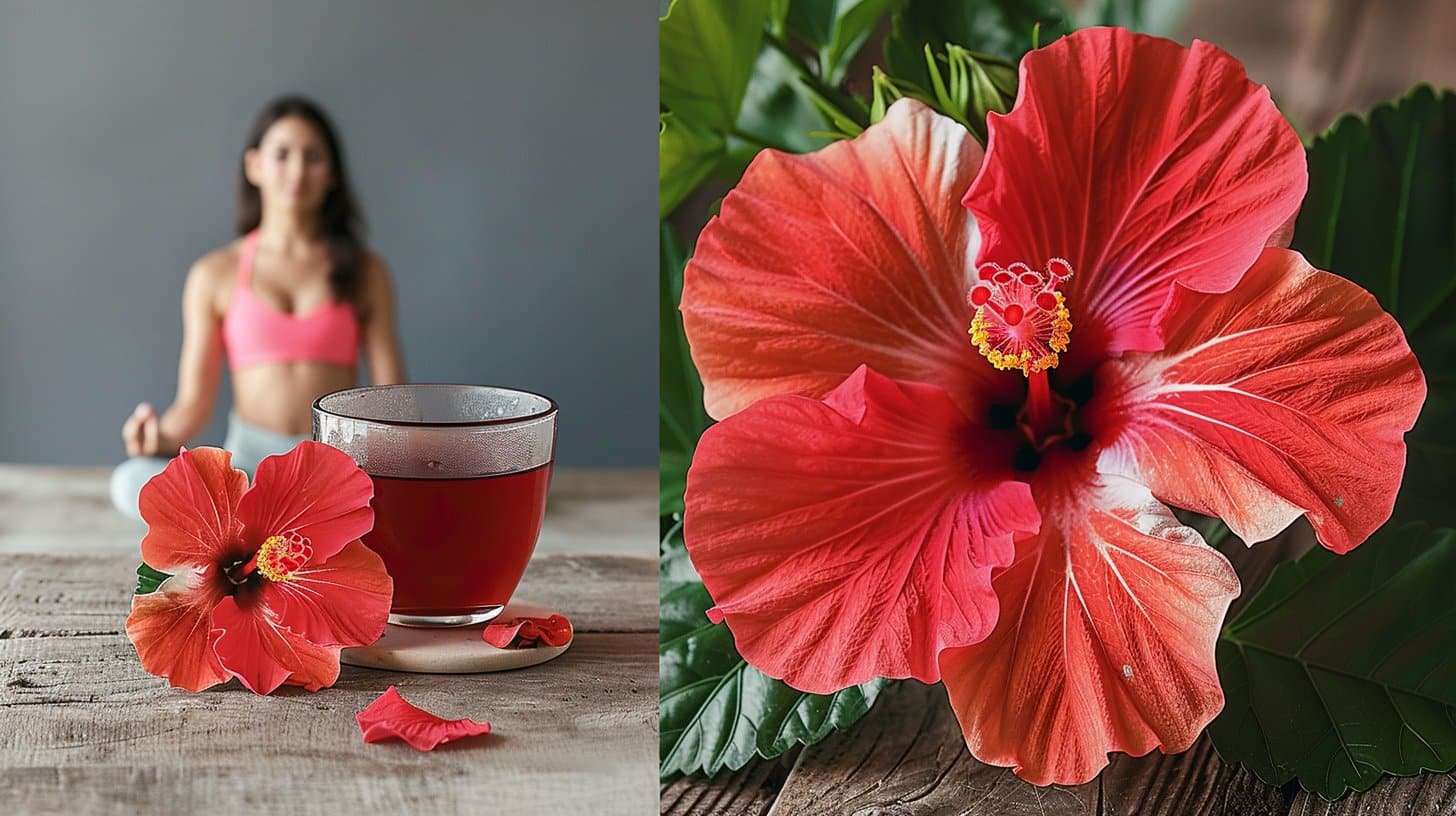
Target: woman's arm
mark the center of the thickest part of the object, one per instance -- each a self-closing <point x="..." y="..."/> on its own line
<point x="380" y="336"/>
<point x="198" y="371"/>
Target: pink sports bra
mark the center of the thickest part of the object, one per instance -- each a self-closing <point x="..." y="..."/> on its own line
<point x="254" y="332"/>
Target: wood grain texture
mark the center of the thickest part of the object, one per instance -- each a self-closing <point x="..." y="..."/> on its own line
<point x="749" y="792"/>
<point x="87" y="731"/>
<point x="1425" y="795"/>
<point x="907" y="756"/>
<point x="1195" y="781"/>
<point x="84" y="730"/>
<point x="46" y="509"/>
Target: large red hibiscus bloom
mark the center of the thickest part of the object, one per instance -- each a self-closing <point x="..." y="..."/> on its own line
<point x="886" y="495"/>
<point x="267" y="583"/>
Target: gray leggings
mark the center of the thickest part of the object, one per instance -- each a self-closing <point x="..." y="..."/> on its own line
<point x="248" y="443"/>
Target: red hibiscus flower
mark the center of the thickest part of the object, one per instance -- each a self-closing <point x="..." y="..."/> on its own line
<point x="267" y="583"/>
<point x="887" y="496"/>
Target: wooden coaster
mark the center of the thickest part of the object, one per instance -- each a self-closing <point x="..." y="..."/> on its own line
<point x="452" y="650"/>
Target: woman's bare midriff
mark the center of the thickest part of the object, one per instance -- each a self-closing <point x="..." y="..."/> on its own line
<point x="279" y="396"/>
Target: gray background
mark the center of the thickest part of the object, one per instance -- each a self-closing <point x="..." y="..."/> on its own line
<point x="504" y="153"/>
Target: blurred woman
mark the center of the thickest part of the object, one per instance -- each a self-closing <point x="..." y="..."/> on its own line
<point x="290" y="303"/>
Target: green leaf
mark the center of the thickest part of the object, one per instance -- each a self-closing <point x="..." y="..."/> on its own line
<point x="1004" y="28"/>
<point x="681" y="417"/>
<point x="778" y="13"/>
<point x="706" y="50"/>
<point x="714" y="710"/>
<point x="1152" y="16"/>
<point x="837" y="29"/>
<point x="964" y="85"/>
<point x="777" y="109"/>
<point x="149" y="579"/>
<point x="686" y="155"/>
<point x="1343" y="668"/>
<point x="1381" y="211"/>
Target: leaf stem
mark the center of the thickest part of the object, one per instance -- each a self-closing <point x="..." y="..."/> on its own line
<point x="836" y="98"/>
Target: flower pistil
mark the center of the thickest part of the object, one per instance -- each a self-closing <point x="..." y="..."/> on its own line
<point x="1021" y="320"/>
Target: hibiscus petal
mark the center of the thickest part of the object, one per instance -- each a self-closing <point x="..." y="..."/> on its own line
<point x="1105" y="642"/>
<point x="314" y="489"/>
<point x="191" y="510"/>
<point x="855" y="537"/>
<point x="171" y="629"/>
<point x="1288" y="395"/>
<point x="1142" y="163"/>
<point x="858" y="253"/>
<point x="255" y="647"/>
<point x="390" y="717"/>
<point x="527" y="632"/>
<point x="344" y="602"/>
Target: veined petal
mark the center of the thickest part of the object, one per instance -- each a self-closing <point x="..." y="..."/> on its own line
<point x="254" y="646"/>
<point x="344" y="602"/>
<point x="171" y="629"/>
<point x="528" y="632"/>
<point x="853" y="538"/>
<point x="856" y="254"/>
<point x="1105" y="642"/>
<point x="191" y="510"/>
<point x="1142" y="163"/>
<point x="1289" y="395"/>
<point x="313" y="489"/>
<point x="393" y="717"/>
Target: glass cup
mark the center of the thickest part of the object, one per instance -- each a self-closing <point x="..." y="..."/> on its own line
<point x="460" y="478"/>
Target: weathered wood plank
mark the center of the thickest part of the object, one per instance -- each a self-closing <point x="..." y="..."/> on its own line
<point x="749" y="791"/>
<point x="1424" y="795"/>
<point x="1195" y="781"/>
<point x="46" y="509"/>
<point x="57" y="595"/>
<point x="87" y="731"/>
<point x="907" y="756"/>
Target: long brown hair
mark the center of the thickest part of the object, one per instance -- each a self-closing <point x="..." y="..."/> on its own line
<point x="341" y="223"/>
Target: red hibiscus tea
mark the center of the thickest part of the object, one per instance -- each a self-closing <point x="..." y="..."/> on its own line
<point x="460" y="479"/>
<point x="485" y="526"/>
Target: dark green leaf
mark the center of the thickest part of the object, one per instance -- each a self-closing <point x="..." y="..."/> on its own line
<point x="149" y="579"/>
<point x="681" y="417"/>
<point x="1343" y="668"/>
<point x="714" y="710"/>
<point x="706" y="50"/>
<point x="777" y="110"/>
<point x="836" y="29"/>
<point x="1000" y="27"/>
<point x="1381" y="211"/>
<point x="685" y="156"/>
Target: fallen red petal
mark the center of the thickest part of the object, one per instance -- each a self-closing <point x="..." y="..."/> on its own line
<point x="391" y="717"/>
<point x="526" y="632"/>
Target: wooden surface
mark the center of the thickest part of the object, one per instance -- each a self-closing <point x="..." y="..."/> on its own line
<point x="1320" y="58"/>
<point x="84" y="730"/>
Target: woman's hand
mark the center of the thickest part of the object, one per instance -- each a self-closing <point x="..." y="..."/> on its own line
<point x="142" y="432"/>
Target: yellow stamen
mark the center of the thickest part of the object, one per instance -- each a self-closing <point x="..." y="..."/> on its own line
<point x="281" y="556"/>
<point x="1002" y="352"/>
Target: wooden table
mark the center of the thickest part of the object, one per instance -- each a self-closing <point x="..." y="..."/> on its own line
<point x="84" y="730"/>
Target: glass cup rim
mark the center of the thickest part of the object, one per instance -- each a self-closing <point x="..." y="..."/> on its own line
<point x="550" y="409"/>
